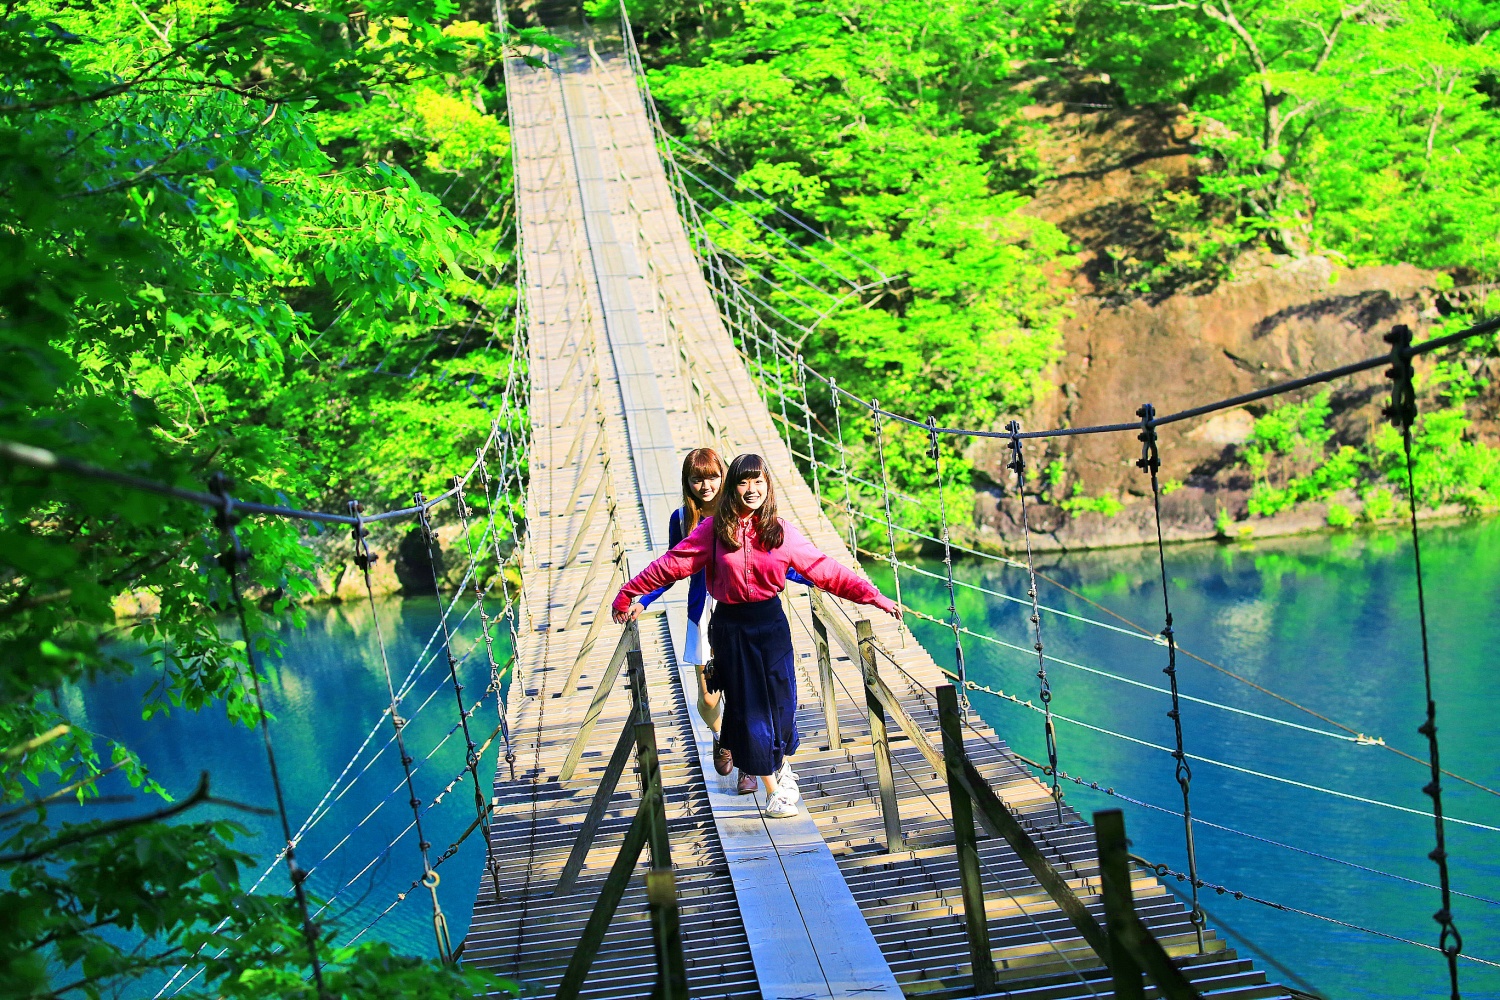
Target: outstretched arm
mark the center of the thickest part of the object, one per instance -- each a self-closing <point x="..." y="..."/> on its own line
<point x="831" y="575"/>
<point x="678" y="563"/>
<point x="674" y="535"/>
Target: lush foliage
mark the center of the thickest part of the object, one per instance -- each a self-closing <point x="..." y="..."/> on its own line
<point x="1362" y="129"/>
<point x="1365" y="131"/>
<point x="879" y="126"/>
<point x="217" y="219"/>
<point x="1293" y="457"/>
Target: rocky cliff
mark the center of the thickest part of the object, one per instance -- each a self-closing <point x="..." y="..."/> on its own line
<point x="1263" y="320"/>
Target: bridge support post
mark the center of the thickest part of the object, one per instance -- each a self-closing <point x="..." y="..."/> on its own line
<point x="1119" y="903"/>
<point x="825" y="676"/>
<point x="966" y="844"/>
<point x="1128" y="937"/>
<point x="890" y="808"/>
<point x="661" y="880"/>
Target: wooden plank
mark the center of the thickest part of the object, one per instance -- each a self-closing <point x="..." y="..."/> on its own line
<point x="805" y="928"/>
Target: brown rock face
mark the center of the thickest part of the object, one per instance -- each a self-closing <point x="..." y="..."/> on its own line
<point x="1192" y="349"/>
<point x="1186" y="350"/>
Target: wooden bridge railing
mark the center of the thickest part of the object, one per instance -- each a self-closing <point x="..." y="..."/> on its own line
<point x="1124" y="944"/>
<point x="648" y="830"/>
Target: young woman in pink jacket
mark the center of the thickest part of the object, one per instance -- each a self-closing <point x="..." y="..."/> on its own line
<point x="745" y="551"/>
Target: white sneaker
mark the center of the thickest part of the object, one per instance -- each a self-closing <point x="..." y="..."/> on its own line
<point x="781" y="805"/>
<point x="785" y="776"/>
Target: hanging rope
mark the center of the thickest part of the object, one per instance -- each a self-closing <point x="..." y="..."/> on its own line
<point x="1018" y="466"/>
<point x="364" y="559"/>
<point x="481" y="806"/>
<point x="1402" y="412"/>
<point x="1150" y="462"/>
<point x="800" y="371"/>
<point x="890" y="530"/>
<point x="505" y="612"/>
<point x="961" y="672"/>
<point x="429" y="538"/>
<point x="838" y="423"/>
<point x="233" y="560"/>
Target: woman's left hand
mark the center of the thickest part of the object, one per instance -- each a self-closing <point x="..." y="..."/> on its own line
<point x="630" y="614"/>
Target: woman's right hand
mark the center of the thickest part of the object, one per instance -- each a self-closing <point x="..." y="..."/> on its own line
<point x="630" y="614"/>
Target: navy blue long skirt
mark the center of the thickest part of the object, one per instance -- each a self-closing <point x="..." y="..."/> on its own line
<point x="754" y="663"/>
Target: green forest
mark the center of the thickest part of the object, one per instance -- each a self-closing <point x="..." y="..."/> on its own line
<point x="276" y="241"/>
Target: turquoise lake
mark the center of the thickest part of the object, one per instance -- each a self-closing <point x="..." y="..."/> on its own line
<point x="1328" y="621"/>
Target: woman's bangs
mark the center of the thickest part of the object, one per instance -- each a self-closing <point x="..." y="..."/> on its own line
<point x="749" y="467"/>
<point x="705" y="464"/>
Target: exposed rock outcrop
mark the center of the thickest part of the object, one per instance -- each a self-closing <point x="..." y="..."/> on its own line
<point x="1268" y="321"/>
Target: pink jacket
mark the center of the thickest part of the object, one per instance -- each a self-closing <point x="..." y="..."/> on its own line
<point x="750" y="573"/>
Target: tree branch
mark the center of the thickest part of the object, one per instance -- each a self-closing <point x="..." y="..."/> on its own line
<point x="200" y="795"/>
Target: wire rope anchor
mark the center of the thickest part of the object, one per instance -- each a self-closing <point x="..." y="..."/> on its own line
<point x="233" y="561"/>
<point x="1017" y="465"/>
<point x="1402" y="412"/>
<point x="1150" y="463"/>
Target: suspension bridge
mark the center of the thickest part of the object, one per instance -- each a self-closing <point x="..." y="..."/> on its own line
<point x="631" y="365"/>
<point x="930" y="859"/>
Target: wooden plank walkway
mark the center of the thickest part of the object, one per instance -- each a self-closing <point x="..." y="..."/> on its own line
<point x="631" y="366"/>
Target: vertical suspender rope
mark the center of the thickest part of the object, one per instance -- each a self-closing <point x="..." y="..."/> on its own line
<point x="786" y="423"/>
<point x="1402" y="412"/>
<point x="890" y="529"/>
<point x="961" y="672"/>
<point x="800" y="370"/>
<point x="505" y="609"/>
<point x="1018" y="466"/>
<point x="1150" y="462"/>
<point x="363" y="558"/>
<point x="765" y="392"/>
<point x="511" y="608"/>
<point x="233" y="560"/>
<point x="838" y="423"/>
<point x="429" y="537"/>
<point x="489" y="652"/>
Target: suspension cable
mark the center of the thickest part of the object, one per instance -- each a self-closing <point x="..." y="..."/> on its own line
<point x="1015" y="700"/>
<point x="1018" y="466"/>
<point x="1163" y="871"/>
<point x="1199" y="821"/>
<point x="233" y="561"/>
<point x="1402" y="412"/>
<point x="1150" y="462"/>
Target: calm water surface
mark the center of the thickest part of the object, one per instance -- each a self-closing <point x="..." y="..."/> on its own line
<point x="327" y="693"/>
<point x="1329" y="622"/>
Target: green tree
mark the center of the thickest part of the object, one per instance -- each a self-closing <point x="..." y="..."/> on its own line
<point x="214" y="224"/>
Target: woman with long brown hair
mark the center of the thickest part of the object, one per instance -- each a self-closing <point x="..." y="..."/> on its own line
<point x="745" y="551"/>
<point x="702" y="481"/>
